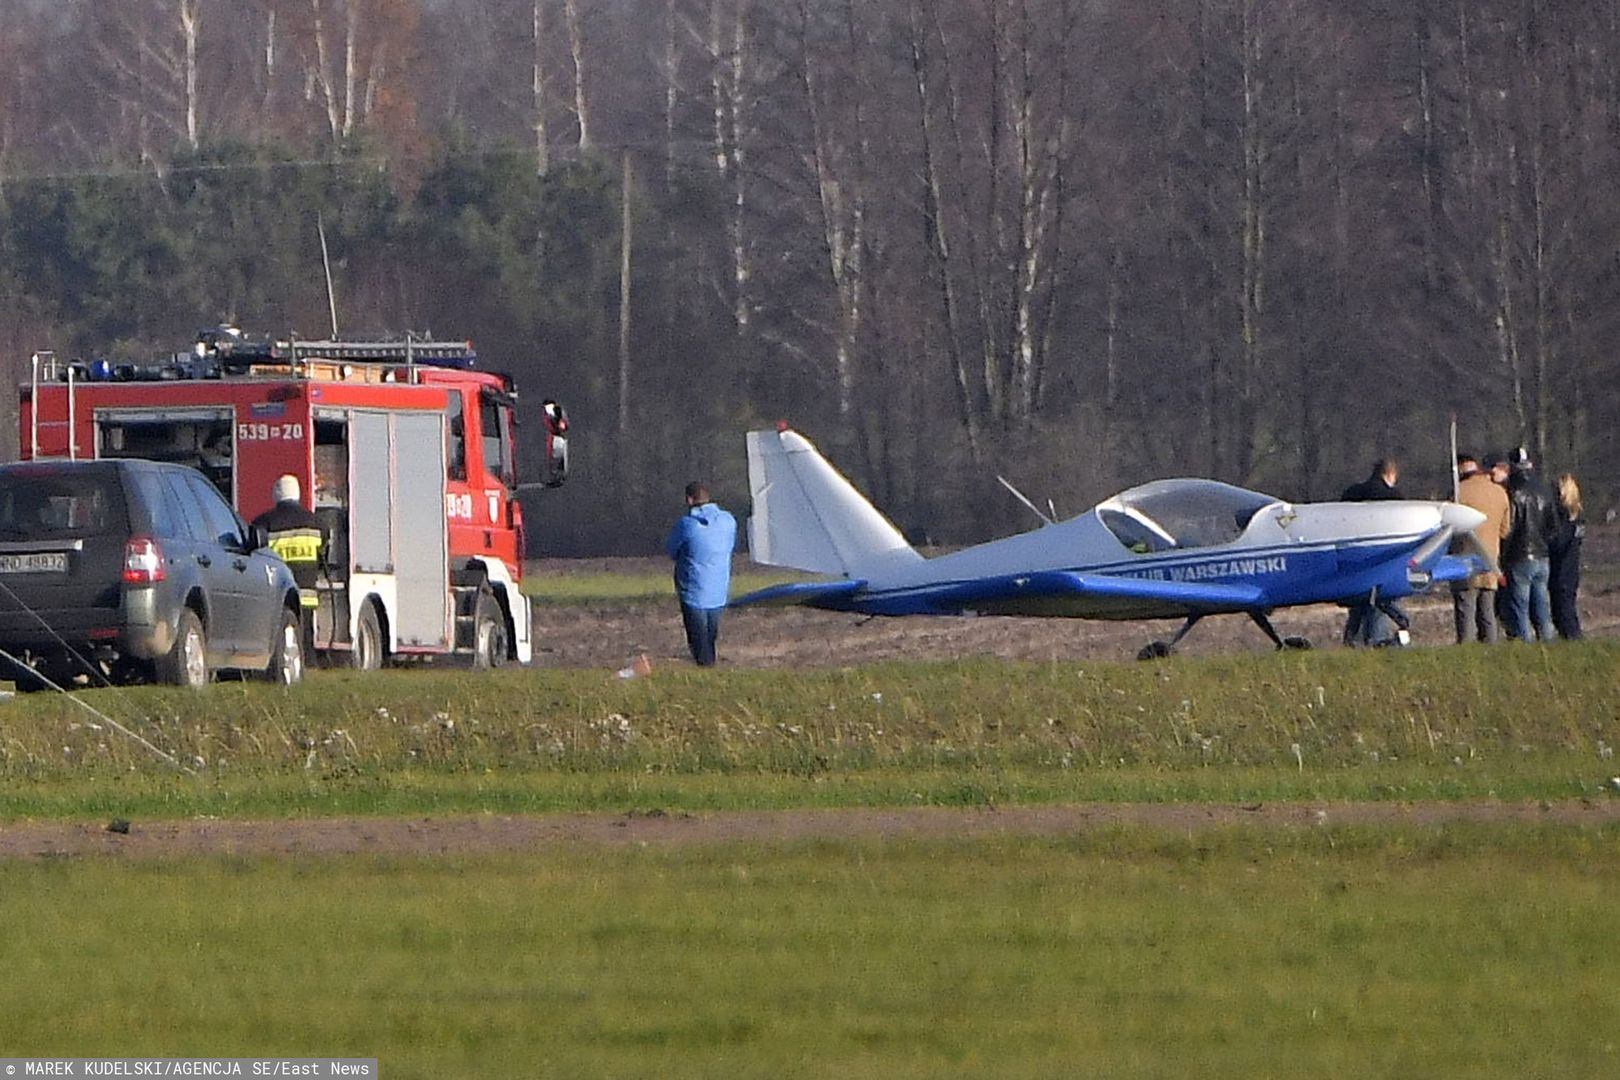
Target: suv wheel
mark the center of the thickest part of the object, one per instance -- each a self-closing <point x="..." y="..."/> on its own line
<point x="187" y="663"/>
<point x="287" y="651"/>
<point x="30" y="681"/>
<point x="489" y="633"/>
<point x="367" y="654"/>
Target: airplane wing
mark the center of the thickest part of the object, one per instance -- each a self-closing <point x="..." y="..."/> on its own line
<point x="811" y="593"/>
<point x="1058" y="592"/>
<point x="1015" y="593"/>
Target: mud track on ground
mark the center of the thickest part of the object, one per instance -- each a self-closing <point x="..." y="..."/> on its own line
<point x="495" y="834"/>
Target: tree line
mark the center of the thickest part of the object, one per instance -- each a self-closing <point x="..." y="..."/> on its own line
<point x="1077" y="243"/>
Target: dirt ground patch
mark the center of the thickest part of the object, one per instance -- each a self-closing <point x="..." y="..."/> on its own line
<point x="496" y="833"/>
<point x="610" y="636"/>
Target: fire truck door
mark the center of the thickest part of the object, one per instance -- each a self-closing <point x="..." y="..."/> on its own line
<point x="398" y="520"/>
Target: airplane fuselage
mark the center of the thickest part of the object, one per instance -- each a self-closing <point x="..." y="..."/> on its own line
<point x="1320" y="552"/>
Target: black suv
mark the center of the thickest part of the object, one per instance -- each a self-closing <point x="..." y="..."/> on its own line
<point x="134" y="570"/>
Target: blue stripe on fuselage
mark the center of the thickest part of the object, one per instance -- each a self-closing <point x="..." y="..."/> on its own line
<point x="1292" y="574"/>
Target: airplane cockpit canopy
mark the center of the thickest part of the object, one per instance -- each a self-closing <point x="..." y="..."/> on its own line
<point x="1187" y="513"/>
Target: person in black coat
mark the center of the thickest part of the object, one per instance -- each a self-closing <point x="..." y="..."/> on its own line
<point x="1564" y="557"/>
<point x="1525" y="549"/>
<point x="1363" y="627"/>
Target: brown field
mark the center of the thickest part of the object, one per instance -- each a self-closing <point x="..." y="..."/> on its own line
<point x="609" y="636"/>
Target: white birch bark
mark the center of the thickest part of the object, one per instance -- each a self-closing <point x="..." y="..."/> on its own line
<point x="190" y="18"/>
<point x="537" y="90"/>
<point x="576" y="48"/>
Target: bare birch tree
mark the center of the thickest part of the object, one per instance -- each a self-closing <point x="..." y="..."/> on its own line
<point x="537" y="89"/>
<point x="148" y="52"/>
<point x="576" y="49"/>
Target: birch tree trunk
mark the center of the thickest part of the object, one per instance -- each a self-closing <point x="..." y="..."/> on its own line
<point x="576" y="48"/>
<point x="742" y="266"/>
<point x="537" y="90"/>
<point x="321" y="73"/>
<point x="1252" y="301"/>
<point x="268" y="104"/>
<point x="189" y="12"/>
<point x="624" y="301"/>
<point x="672" y="61"/>
<point x="351" y="30"/>
<point x="936" y="229"/>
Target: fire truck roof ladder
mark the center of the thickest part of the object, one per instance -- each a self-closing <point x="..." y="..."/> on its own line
<point x="235" y="353"/>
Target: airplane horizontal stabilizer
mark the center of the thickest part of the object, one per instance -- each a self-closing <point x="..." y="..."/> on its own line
<point x="811" y="593"/>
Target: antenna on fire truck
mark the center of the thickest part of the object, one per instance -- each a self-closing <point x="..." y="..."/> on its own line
<point x="326" y="263"/>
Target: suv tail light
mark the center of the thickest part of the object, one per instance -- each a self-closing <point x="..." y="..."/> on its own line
<point x="143" y="562"/>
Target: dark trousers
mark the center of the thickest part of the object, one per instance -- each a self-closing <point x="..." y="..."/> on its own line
<point x="1365" y="623"/>
<point x="702" y="630"/>
<point x="1566" y="616"/>
<point x="1475" y="613"/>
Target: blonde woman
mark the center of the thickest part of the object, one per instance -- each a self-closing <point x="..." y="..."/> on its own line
<point x="1564" y="557"/>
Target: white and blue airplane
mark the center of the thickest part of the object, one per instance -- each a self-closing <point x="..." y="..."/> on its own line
<point x="1183" y="548"/>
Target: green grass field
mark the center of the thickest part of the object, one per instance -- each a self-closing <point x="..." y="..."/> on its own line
<point x="1450" y="952"/>
<point x="1435" y="723"/>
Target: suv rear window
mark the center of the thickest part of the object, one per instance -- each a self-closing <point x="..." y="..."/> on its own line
<point x="49" y="504"/>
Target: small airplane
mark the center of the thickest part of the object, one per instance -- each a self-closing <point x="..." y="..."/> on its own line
<point x="1183" y="548"/>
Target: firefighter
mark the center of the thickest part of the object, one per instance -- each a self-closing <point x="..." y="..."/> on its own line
<point x="297" y="537"/>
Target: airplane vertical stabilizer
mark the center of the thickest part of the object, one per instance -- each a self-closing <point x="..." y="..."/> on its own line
<point x="809" y="517"/>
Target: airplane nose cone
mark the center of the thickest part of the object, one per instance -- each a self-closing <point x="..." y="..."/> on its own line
<point x="1461" y="518"/>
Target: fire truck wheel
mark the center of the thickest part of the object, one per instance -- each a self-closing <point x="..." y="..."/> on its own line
<point x="367" y="654"/>
<point x="489" y="633"/>
<point x="187" y="663"/>
<point x="287" y="652"/>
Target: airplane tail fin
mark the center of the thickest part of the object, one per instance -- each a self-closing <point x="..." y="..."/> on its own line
<point x="808" y="516"/>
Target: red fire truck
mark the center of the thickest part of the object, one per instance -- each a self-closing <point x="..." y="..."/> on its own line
<point x="404" y="450"/>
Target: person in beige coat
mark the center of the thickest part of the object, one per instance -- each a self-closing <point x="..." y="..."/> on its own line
<point x="1473" y="600"/>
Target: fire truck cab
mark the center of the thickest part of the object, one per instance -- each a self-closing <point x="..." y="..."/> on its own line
<point x="405" y="452"/>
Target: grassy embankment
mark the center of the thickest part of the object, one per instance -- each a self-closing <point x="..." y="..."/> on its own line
<point x="1511" y="722"/>
<point x="1451" y="952"/>
<point x="602" y="587"/>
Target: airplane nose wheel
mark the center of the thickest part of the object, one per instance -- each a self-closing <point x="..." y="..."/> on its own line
<point x="1300" y="643"/>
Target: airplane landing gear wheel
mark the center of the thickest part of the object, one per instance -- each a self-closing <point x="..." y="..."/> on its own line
<point x="1300" y="643"/>
<point x="1154" y="650"/>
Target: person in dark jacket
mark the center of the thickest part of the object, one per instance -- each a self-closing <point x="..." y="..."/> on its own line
<point x="1524" y="552"/>
<point x="1365" y="624"/>
<point x="1564" y="560"/>
<point x="701" y="544"/>
<point x="1498" y="468"/>
<point x="297" y="537"/>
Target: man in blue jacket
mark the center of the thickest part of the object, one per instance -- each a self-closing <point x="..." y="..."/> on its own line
<point x="701" y="544"/>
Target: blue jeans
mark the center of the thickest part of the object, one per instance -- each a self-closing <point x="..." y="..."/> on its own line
<point x="1529" y="602"/>
<point x="1368" y="621"/>
<point x="702" y="629"/>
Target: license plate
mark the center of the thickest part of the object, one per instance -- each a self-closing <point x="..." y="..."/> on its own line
<point x="44" y="562"/>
